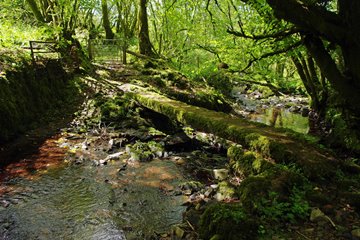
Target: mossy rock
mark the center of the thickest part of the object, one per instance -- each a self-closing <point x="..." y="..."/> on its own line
<point x="145" y="151"/>
<point x="157" y="81"/>
<point x="259" y="143"/>
<point x="247" y="162"/>
<point x="194" y="186"/>
<point x="256" y="188"/>
<point x="114" y="109"/>
<point x="221" y="81"/>
<point x="227" y="222"/>
<point x="226" y="191"/>
<point x="270" y="148"/>
<point x="111" y="112"/>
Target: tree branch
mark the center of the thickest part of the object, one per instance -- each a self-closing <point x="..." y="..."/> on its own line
<point x="270" y="54"/>
<point x="311" y="18"/>
<point x="210" y="13"/>
<point x="278" y="35"/>
<point x="210" y="50"/>
<point x="273" y="88"/>
<point x="172" y="4"/>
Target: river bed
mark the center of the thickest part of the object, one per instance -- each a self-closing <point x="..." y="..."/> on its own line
<point x="46" y="197"/>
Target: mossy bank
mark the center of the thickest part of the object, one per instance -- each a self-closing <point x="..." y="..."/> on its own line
<point x="27" y="93"/>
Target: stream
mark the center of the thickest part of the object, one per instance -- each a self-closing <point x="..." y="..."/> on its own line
<point x="282" y="118"/>
<point x="73" y="187"/>
<point x="46" y="197"/>
<point x="282" y="112"/>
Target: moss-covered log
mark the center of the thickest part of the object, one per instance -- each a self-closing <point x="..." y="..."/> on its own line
<point x="269" y="142"/>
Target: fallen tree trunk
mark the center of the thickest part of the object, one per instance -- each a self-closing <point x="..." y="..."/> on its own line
<point x="283" y="146"/>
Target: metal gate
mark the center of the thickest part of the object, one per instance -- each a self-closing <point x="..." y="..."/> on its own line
<point x="43" y="50"/>
<point x="107" y="50"/>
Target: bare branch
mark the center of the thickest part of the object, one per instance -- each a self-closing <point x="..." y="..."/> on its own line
<point x="210" y="13"/>
<point x="270" y="54"/>
<point x="172" y="4"/>
<point x="218" y="5"/>
<point x="208" y="49"/>
<point x="278" y="35"/>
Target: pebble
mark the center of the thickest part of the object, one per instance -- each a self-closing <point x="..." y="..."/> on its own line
<point x="180" y="161"/>
<point x="219" y="197"/>
<point x="178" y="232"/>
<point x="5" y="203"/>
<point x="79" y="160"/>
<point x="103" y="162"/>
<point x="208" y="192"/>
<point x="187" y="192"/>
<point x="221" y="174"/>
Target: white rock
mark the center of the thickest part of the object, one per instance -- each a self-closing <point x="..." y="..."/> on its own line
<point x="219" y="197"/>
<point x="221" y="174"/>
<point x="114" y="156"/>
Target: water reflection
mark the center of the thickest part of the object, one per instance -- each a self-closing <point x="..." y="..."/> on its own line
<point x="280" y="117"/>
<point x="276" y="114"/>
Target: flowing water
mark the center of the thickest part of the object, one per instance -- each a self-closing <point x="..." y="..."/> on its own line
<point x="43" y="197"/>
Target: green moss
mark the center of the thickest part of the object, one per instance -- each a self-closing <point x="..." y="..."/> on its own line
<point x="220" y="81"/>
<point x="226" y="190"/>
<point x="235" y="152"/>
<point x="227" y="222"/>
<point x="141" y="151"/>
<point x="25" y="96"/>
<point x="268" y="142"/>
<point x="191" y="185"/>
<point x="114" y="109"/>
<point x="259" y="164"/>
<point x="276" y="179"/>
<point x="247" y="162"/>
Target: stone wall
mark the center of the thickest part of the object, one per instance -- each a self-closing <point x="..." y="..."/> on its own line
<point x="27" y="94"/>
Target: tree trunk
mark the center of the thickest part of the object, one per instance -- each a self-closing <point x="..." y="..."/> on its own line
<point x="34" y="8"/>
<point x="145" y="46"/>
<point x="106" y="22"/>
<point x="349" y="11"/>
<point x="345" y="83"/>
<point x="340" y="29"/>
